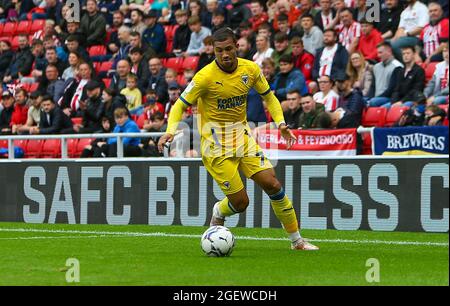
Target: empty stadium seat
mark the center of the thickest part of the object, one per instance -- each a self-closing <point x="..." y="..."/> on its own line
<point x="72" y="147"/>
<point x="77" y="120"/>
<point x="181" y="80"/>
<point x="97" y="67"/>
<point x="168" y="31"/>
<point x="51" y="148"/>
<point x="374" y="116"/>
<point x="394" y="114"/>
<point x="97" y="50"/>
<point x="34" y="148"/>
<point x="429" y="70"/>
<point x="175" y="63"/>
<point x="9" y="29"/>
<point x="444" y="107"/>
<point x="105" y="66"/>
<point x="21" y="144"/>
<point x="3" y="144"/>
<point x="169" y="46"/>
<point x="33" y="87"/>
<point x="82" y="143"/>
<point x="23" y="27"/>
<point x="107" y="82"/>
<point x="37" y="25"/>
<point x="191" y="62"/>
<point x="1" y="28"/>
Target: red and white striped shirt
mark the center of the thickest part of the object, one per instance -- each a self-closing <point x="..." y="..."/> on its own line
<point x="326" y="60"/>
<point x="347" y="35"/>
<point x="350" y="3"/>
<point x="326" y="20"/>
<point x="330" y="100"/>
<point x="432" y="36"/>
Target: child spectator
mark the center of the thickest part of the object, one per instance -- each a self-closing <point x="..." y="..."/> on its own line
<point x="133" y="95"/>
<point x="124" y="124"/>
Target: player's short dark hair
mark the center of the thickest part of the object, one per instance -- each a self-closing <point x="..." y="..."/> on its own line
<point x="224" y="34"/>
<point x="287" y="58"/>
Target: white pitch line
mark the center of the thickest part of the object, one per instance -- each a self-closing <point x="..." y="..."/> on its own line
<point x="160" y="234"/>
<point x="52" y="237"/>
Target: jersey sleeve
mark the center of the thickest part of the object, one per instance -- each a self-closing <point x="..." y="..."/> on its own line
<point x="193" y="91"/>
<point x="261" y="85"/>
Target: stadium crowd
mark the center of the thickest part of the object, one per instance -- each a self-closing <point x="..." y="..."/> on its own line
<point x="124" y="63"/>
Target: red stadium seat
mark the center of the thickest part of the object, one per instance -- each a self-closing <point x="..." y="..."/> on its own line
<point x="3" y="144"/>
<point x="374" y="116"/>
<point x="169" y="46"/>
<point x="181" y="80"/>
<point x="77" y="120"/>
<point x="168" y="31"/>
<point x="175" y="63"/>
<point x="429" y="70"/>
<point x="9" y="29"/>
<point x="97" y="66"/>
<point x="37" y="25"/>
<point x="20" y="144"/>
<point x="105" y="66"/>
<point x="444" y="107"/>
<point x="34" y="148"/>
<point x="15" y="43"/>
<point x="51" y="148"/>
<point x="97" y="50"/>
<point x="191" y="62"/>
<point x="33" y="87"/>
<point x="82" y="143"/>
<point x="24" y="27"/>
<point x="107" y="82"/>
<point x="140" y="121"/>
<point x="72" y="147"/>
<point x="394" y="114"/>
<point x="1" y="28"/>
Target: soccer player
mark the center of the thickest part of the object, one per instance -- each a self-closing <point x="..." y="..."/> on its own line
<point x="220" y="90"/>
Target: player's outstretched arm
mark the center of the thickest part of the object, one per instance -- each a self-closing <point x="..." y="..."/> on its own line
<point x="176" y="114"/>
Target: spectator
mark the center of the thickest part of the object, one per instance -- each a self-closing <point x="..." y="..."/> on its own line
<point x="332" y="58"/>
<point x="385" y="76"/>
<point x="124" y="47"/>
<point x="269" y="70"/>
<point x="325" y="17"/>
<point x="52" y="11"/>
<point x="361" y="10"/>
<point x="174" y="92"/>
<point x="294" y="109"/>
<point x="73" y="45"/>
<point x="410" y="81"/>
<point x="20" y="114"/>
<point x="258" y="15"/>
<point x="435" y="34"/>
<point x="118" y="21"/>
<point x="199" y="33"/>
<point x="152" y="106"/>
<point x="6" y="113"/>
<point x="53" y="85"/>
<point x="284" y="7"/>
<point x="170" y="75"/>
<point x="326" y="96"/>
<point x="157" y="79"/>
<point x="281" y="47"/>
<point x="94" y="112"/>
<point x="112" y="101"/>
<point x="437" y="89"/>
<point x="313" y="36"/>
<point x="52" y="58"/>
<point x="136" y="42"/>
<point x="34" y="113"/>
<point x="389" y="18"/>
<point x="73" y="28"/>
<point x="197" y="8"/>
<point x="139" y="67"/>
<point x="119" y="79"/>
<point x="350" y="31"/>
<point x="93" y="25"/>
<point x="6" y="56"/>
<point x="48" y="31"/>
<point x="288" y="78"/>
<point x="182" y="33"/>
<point x="74" y="90"/>
<point x="124" y="124"/>
<point x="53" y="119"/>
<point x="246" y="31"/>
<point x="207" y="55"/>
<point x="263" y="49"/>
<point x="266" y="30"/>
<point x="360" y="72"/>
<point x="154" y="33"/>
<point x="434" y="116"/>
<point x="157" y="123"/>
<point x="218" y="20"/>
<point x="370" y="39"/>
<point x="137" y="23"/>
<point x="283" y="27"/>
<point x="21" y="63"/>
<point x="74" y="62"/>
<point x="415" y="115"/>
<point x="351" y="103"/>
<point x="245" y="49"/>
<point x="238" y="13"/>
<point x="303" y="59"/>
<point x="133" y="95"/>
<point x="412" y="20"/>
<point x="98" y="147"/>
<point x="310" y="117"/>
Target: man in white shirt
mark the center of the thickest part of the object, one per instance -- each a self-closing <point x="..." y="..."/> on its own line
<point x="412" y="20"/>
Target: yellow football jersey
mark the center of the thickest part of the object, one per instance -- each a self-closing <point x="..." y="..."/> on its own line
<point x="221" y="98"/>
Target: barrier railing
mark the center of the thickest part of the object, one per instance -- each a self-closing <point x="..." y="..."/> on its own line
<point x="64" y="139"/>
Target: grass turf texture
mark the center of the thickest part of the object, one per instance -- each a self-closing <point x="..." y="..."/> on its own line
<point x="38" y="258"/>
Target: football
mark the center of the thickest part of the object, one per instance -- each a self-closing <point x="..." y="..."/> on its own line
<point x="218" y="241"/>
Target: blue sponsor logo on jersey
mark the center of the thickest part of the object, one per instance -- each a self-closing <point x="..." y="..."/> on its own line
<point x="223" y="104"/>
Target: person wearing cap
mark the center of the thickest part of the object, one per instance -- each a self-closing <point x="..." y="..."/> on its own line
<point x="199" y="33"/>
<point x="6" y="114"/>
<point x="20" y="114"/>
<point x="6" y="56"/>
<point x="34" y="113"/>
<point x="95" y="109"/>
<point x="288" y="78"/>
<point x="93" y="25"/>
<point x="351" y="103"/>
<point x="154" y="35"/>
<point x="370" y="38"/>
<point x="182" y="33"/>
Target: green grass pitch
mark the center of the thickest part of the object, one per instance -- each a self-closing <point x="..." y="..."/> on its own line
<point x="136" y="255"/>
